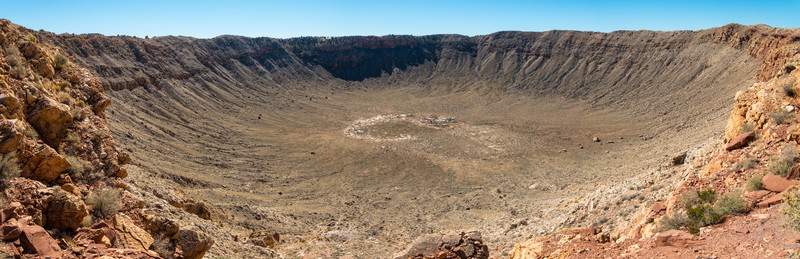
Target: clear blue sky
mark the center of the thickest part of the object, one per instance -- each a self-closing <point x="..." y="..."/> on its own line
<point x="293" y="18"/>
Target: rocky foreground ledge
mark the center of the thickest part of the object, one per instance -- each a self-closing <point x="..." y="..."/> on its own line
<point x="60" y="170"/>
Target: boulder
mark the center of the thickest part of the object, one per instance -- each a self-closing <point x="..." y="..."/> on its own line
<point x="45" y="165"/>
<point x="44" y="67"/>
<point x="129" y="235"/>
<point x="13" y="107"/>
<point x="193" y="243"/>
<point x="678" y="160"/>
<point x="11" y="137"/>
<point x="34" y="239"/>
<point x="740" y="141"/>
<point x="447" y="245"/>
<point x="65" y="211"/>
<point x="775" y="183"/>
<point x="676" y="238"/>
<point x="51" y="119"/>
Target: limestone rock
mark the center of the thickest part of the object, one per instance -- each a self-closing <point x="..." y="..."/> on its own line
<point x="676" y="238"/>
<point x="45" y="164"/>
<point x="447" y="245"/>
<point x="740" y="141"/>
<point x="776" y="183"/>
<point x="65" y="211"/>
<point x="36" y="240"/>
<point x="51" y="119"/>
<point x="193" y="243"/>
<point x="129" y="235"/>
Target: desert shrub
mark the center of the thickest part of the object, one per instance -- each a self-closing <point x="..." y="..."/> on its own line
<point x="31" y="132"/>
<point x="16" y="61"/>
<point x="60" y="61"/>
<point x="64" y="97"/>
<point x="704" y="208"/>
<point x="106" y="201"/>
<point x="788" y="89"/>
<point x="87" y="221"/>
<point x="9" y="168"/>
<point x="747" y="127"/>
<point x="76" y="169"/>
<point x="754" y="183"/>
<point x="784" y="162"/>
<point x="748" y="163"/>
<point x="792" y="210"/>
<point x="780" y="116"/>
<point x="31" y="38"/>
<point x="163" y="247"/>
<point x="674" y="221"/>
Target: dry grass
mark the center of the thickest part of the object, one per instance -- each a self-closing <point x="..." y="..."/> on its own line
<point x="9" y="167"/>
<point x="106" y="201"/>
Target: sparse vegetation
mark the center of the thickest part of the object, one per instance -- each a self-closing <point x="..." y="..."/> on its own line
<point x="748" y="163"/>
<point x="788" y="88"/>
<point x="754" y="183"/>
<point x="9" y="168"/>
<point x="60" y="61"/>
<point x="161" y="245"/>
<point x="703" y="209"/>
<point x="792" y="210"/>
<point x="76" y="169"/>
<point x="31" y="132"/>
<point x="783" y="163"/>
<point x="779" y="117"/>
<point x="16" y="61"/>
<point x="106" y="201"/>
<point x="747" y="127"/>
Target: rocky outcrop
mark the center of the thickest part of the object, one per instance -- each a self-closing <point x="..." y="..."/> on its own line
<point x="193" y="243"/>
<point x="447" y="245"/>
<point x="45" y="164"/>
<point x="51" y="120"/>
<point x="128" y="235"/>
<point x="65" y="211"/>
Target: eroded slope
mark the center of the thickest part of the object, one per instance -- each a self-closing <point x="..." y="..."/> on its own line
<point x="257" y="127"/>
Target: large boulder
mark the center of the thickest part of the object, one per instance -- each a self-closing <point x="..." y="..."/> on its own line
<point x="51" y="119"/>
<point x="129" y="235"/>
<point x="12" y="108"/>
<point x="35" y="239"/>
<point x="45" y="164"/>
<point x="447" y="245"/>
<point x="193" y="243"/>
<point x="776" y="183"/>
<point x="65" y="211"/>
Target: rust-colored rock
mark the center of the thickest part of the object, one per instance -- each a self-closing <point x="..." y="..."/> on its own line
<point x="51" y="119"/>
<point x="65" y="211"/>
<point x="193" y="243"/>
<point x="676" y="238"/>
<point x="36" y="240"/>
<point x="772" y="200"/>
<point x="658" y="207"/>
<point x="129" y="235"/>
<point x="740" y="141"/>
<point x="264" y="239"/>
<point x="757" y="195"/>
<point x="775" y="183"/>
<point x="45" y="165"/>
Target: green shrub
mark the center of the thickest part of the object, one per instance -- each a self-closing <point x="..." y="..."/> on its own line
<point x="788" y="88"/>
<point x="748" y="163"/>
<point x="754" y="183"/>
<point x="106" y="201"/>
<point x="784" y="162"/>
<point x="60" y="61"/>
<point x="778" y="117"/>
<point x="703" y="208"/>
<point x="9" y="167"/>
